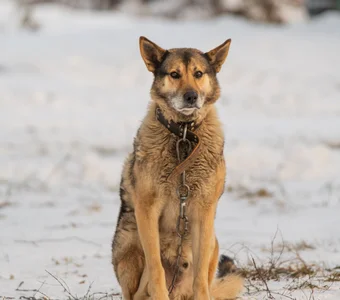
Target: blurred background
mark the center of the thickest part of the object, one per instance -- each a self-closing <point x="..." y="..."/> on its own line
<point x="73" y="91"/>
<point x="271" y="11"/>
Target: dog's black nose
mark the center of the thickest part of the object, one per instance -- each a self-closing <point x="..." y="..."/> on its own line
<point x="190" y="97"/>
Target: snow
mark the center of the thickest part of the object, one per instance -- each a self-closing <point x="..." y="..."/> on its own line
<point x="72" y="96"/>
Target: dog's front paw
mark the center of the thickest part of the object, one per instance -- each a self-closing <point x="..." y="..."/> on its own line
<point x="201" y="292"/>
<point x="159" y="295"/>
<point x="202" y="296"/>
<point x="158" y="290"/>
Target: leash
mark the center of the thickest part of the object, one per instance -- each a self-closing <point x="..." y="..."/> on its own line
<point x="178" y="129"/>
<point x="183" y="190"/>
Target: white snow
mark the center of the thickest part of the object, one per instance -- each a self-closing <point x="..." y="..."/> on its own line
<point x="72" y="96"/>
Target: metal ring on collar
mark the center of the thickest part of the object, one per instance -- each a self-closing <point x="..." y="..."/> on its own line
<point x="184" y="188"/>
<point x="185" y="132"/>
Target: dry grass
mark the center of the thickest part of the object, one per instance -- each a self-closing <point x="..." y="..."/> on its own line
<point x="37" y="294"/>
<point x="283" y="275"/>
<point x="295" y="276"/>
<point x="244" y="192"/>
<point x="286" y="266"/>
<point x="5" y="204"/>
<point x="333" y="145"/>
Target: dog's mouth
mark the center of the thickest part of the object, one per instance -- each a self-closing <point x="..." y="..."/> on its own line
<point x="188" y="110"/>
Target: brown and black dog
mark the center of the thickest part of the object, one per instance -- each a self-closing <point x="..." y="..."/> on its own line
<point x="144" y="248"/>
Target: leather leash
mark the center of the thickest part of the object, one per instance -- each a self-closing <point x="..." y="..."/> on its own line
<point x="178" y="130"/>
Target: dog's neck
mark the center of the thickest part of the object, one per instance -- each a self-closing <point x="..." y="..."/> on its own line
<point x="208" y="122"/>
<point x="180" y="129"/>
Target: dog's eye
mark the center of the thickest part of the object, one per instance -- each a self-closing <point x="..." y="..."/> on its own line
<point x="175" y="75"/>
<point x="198" y="74"/>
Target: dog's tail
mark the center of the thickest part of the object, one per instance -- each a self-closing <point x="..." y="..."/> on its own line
<point x="227" y="285"/>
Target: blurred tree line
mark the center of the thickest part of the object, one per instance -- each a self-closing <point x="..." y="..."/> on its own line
<point x="273" y="11"/>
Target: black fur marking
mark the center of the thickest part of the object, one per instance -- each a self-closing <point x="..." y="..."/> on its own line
<point x="113" y="244"/>
<point x="210" y="69"/>
<point x="122" y="193"/>
<point x="225" y="266"/>
<point x="222" y="148"/>
<point x="160" y="70"/>
<point x="165" y="55"/>
<point x="160" y="73"/>
<point x="123" y="210"/>
<point x="186" y="58"/>
<point x="132" y="164"/>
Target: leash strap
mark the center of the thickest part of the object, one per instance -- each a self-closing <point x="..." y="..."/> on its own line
<point x="178" y="129"/>
<point x="184" y="165"/>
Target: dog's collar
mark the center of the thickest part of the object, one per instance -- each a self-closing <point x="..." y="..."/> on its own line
<point x="178" y="128"/>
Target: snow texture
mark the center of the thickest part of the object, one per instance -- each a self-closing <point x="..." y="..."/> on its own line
<point x="72" y="96"/>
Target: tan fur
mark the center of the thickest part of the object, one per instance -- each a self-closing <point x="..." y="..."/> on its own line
<point x="145" y="242"/>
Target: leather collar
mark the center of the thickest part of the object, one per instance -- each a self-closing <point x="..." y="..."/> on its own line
<point x="178" y="128"/>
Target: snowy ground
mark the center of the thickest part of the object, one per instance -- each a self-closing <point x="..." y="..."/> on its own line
<point x="72" y="96"/>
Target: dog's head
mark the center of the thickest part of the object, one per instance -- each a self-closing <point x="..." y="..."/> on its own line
<point x="185" y="82"/>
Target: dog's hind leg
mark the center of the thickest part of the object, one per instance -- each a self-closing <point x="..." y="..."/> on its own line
<point x="227" y="288"/>
<point x="143" y="292"/>
<point x="129" y="271"/>
<point x="127" y="253"/>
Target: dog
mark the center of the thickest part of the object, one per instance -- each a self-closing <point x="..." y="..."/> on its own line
<point x="153" y="258"/>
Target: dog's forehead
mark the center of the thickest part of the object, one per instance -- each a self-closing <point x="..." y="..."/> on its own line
<point x="183" y="57"/>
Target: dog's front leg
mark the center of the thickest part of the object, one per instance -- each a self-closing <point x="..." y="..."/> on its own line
<point x="203" y="239"/>
<point x="147" y="216"/>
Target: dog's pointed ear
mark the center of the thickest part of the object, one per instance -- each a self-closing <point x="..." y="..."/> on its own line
<point x="218" y="55"/>
<point x="151" y="53"/>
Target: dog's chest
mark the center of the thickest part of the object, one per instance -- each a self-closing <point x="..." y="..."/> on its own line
<point x="199" y="176"/>
<point x="158" y="159"/>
